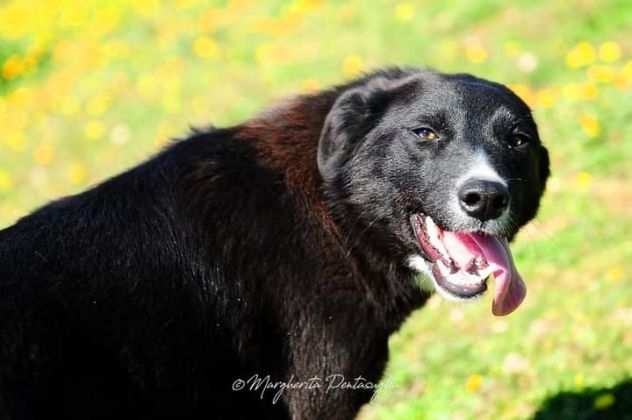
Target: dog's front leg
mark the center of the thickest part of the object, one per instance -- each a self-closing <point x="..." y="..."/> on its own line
<point x="336" y="362"/>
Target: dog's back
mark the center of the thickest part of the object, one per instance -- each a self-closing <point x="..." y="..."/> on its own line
<point x="110" y="305"/>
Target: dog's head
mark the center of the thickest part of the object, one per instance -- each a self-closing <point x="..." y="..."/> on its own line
<point x="442" y="170"/>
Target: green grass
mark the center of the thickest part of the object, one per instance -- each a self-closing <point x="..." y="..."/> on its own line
<point x="111" y="84"/>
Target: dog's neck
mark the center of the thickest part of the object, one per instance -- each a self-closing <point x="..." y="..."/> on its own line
<point x="286" y="140"/>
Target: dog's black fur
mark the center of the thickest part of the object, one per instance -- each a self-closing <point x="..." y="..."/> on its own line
<point x="276" y="247"/>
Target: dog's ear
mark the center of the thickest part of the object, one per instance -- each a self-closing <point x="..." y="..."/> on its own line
<point x="351" y="117"/>
<point x="341" y="130"/>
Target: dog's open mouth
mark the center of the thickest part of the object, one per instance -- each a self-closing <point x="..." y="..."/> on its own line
<point x="463" y="261"/>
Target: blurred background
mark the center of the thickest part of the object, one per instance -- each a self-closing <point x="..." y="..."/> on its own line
<point x="88" y="88"/>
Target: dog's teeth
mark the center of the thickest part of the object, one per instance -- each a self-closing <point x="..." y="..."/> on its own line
<point x="434" y="234"/>
<point x="443" y="269"/>
<point x="471" y="266"/>
<point x="460" y="277"/>
<point x="453" y="267"/>
<point x="481" y="263"/>
<point x="431" y="227"/>
<point x="438" y="245"/>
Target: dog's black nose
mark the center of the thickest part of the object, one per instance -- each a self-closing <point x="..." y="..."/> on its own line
<point x="484" y="200"/>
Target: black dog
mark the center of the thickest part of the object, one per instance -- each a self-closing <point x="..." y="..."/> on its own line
<point x="257" y="271"/>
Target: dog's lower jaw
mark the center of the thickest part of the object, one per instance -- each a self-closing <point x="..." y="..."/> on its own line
<point x="425" y="280"/>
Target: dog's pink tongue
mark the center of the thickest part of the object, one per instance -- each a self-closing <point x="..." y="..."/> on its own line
<point x="510" y="288"/>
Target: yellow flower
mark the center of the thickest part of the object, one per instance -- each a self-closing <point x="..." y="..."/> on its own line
<point x="345" y="13"/>
<point x="160" y="142"/>
<point x="15" y="141"/>
<point x="524" y="92"/>
<point x="474" y="382"/>
<point x="6" y="182"/>
<point x="404" y="11"/>
<point x="601" y="73"/>
<point x="165" y="131"/>
<point x="98" y="105"/>
<point x="13" y="67"/>
<point x="476" y="54"/>
<point x="94" y="130"/>
<point x="604" y="401"/>
<point x="22" y="97"/>
<point x="303" y="6"/>
<point x="583" y="180"/>
<point x="546" y="98"/>
<point x="146" y="7"/>
<point x="185" y="4"/>
<point x="76" y="173"/>
<point x="579" y="380"/>
<point x="44" y="153"/>
<point x="116" y="49"/>
<point x="590" y="125"/>
<point x="626" y="72"/>
<point x="171" y="102"/>
<point x="512" y="48"/>
<point x="263" y="53"/>
<point x="205" y="47"/>
<point x="106" y="19"/>
<point x="620" y="81"/>
<point x="352" y="65"/>
<point x="69" y="106"/>
<point x="73" y="17"/>
<point x="581" y="55"/>
<point x="609" y="52"/>
<point x="147" y="86"/>
<point x="615" y="274"/>
<point x="589" y="91"/>
<point x="30" y="61"/>
<point x="311" y="85"/>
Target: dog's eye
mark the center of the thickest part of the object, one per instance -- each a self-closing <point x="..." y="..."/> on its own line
<point x="425" y="133"/>
<point x="518" y="140"/>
